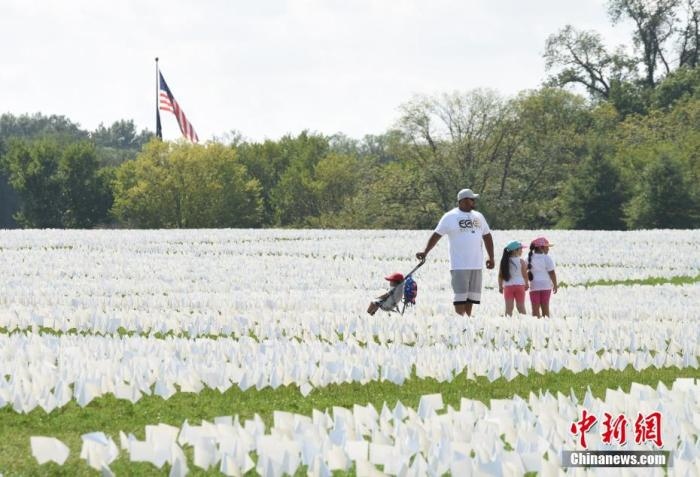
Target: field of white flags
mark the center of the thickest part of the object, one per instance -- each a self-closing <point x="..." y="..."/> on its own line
<point x="143" y="317"/>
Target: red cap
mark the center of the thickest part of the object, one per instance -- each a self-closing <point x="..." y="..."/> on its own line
<point x="540" y="242"/>
<point x="394" y="277"/>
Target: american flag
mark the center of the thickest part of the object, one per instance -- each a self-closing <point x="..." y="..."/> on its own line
<point x="168" y="103"/>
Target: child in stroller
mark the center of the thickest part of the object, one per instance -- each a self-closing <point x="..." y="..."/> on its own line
<point x="390" y="300"/>
<point x="402" y="288"/>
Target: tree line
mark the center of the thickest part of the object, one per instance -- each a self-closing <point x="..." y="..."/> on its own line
<point x="623" y="154"/>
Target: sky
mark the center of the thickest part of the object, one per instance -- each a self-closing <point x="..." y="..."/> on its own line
<point x="266" y="68"/>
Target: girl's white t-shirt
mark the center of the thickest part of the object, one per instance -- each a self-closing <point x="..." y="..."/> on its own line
<point x="541" y="265"/>
<point x="465" y="232"/>
<point x="516" y="274"/>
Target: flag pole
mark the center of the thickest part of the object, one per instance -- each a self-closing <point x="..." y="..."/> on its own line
<point x="159" y="130"/>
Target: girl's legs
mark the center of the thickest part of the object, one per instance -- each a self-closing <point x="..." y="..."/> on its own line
<point x="509" y="306"/>
<point x="546" y="294"/>
<point x="545" y="309"/>
<point x="519" y="296"/>
<point x="535" y="301"/>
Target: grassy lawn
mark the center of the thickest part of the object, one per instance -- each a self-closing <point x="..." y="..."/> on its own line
<point x="678" y="280"/>
<point x="110" y="415"/>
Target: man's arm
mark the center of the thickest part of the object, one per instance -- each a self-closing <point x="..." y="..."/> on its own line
<point x="488" y="241"/>
<point x="429" y="246"/>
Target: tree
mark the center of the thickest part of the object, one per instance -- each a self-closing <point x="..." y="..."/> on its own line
<point x="681" y="83"/>
<point x="115" y="144"/>
<point x="31" y="170"/>
<point x="58" y="185"/>
<point x="655" y="23"/>
<point x="9" y="200"/>
<point x="186" y="186"/>
<point x="398" y="197"/>
<point x="293" y="198"/>
<point x="9" y="203"/>
<point x="336" y="178"/>
<point x="689" y="44"/>
<point x="551" y="126"/>
<point x="662" y="198"/>
<point x="659" y="26"/>
<point x="579" y="57"/>
<point x="593" y="198"/>
<point x="85" y="193"/>
<point x="119" y="142"/>
<point x="673" y="132"/>
<point x="38" y="125"/>
<point x="458" y="140"/>
<point x="292" y="160"/>
<point x="120" y="135"/>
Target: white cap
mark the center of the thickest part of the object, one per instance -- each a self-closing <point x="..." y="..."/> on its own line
<point x="466" y="194"/>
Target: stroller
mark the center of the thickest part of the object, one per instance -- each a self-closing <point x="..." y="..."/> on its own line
<point x="402" y="293"/>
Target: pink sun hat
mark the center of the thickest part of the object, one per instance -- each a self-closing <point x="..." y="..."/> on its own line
<point x="541" y="242"/>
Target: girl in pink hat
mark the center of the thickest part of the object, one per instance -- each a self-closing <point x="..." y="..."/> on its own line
<point x="543" y="278"/>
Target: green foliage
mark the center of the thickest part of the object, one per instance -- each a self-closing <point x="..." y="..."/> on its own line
<point x="397" y="197"/>
<point x="458" y="140"/>
<point x="665" y="39"/>
<point x="683" y="83"/>
<point x="31" y="170"/>
<point x="9" y="203"/>
<point x="579" y="57"/>
<point x="85" y="194"/>
<point x="28" y="127"/>
<point x="593" y="197"/>
<point x="186" y="186"/>
<point x="293" y="198"/>
<point x="285" y="171"/>
<point x="663" y="198"/>
<point x="119" y="142"/>
<point x="552" y="125"/>
<point x="113" y="145"/>
<point x="336" y="179"/>
<point x="38" y="125"/>
<point x="59" y="185"/>
<point x="629" y="97"/>
<point x="664" y="137"/>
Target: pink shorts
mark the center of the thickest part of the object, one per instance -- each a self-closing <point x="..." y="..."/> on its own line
<point x="540" y="297"/>
<point x="514" y="292"/>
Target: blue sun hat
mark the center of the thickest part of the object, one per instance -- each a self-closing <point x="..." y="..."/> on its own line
<point x="514" y="245"/>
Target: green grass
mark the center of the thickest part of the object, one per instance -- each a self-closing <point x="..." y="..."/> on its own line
<point x="678" y="280"/>
<point x="110" y="415"/>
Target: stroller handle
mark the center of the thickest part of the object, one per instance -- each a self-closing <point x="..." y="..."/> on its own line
<point x="420" y="264"/>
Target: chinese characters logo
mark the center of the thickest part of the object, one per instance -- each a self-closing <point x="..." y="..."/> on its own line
<point x="647" y="428"/>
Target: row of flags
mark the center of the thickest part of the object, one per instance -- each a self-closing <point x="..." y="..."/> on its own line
<point x="166" y="102"/>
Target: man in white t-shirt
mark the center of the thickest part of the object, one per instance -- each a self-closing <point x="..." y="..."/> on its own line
<point x="465" y="229"/>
